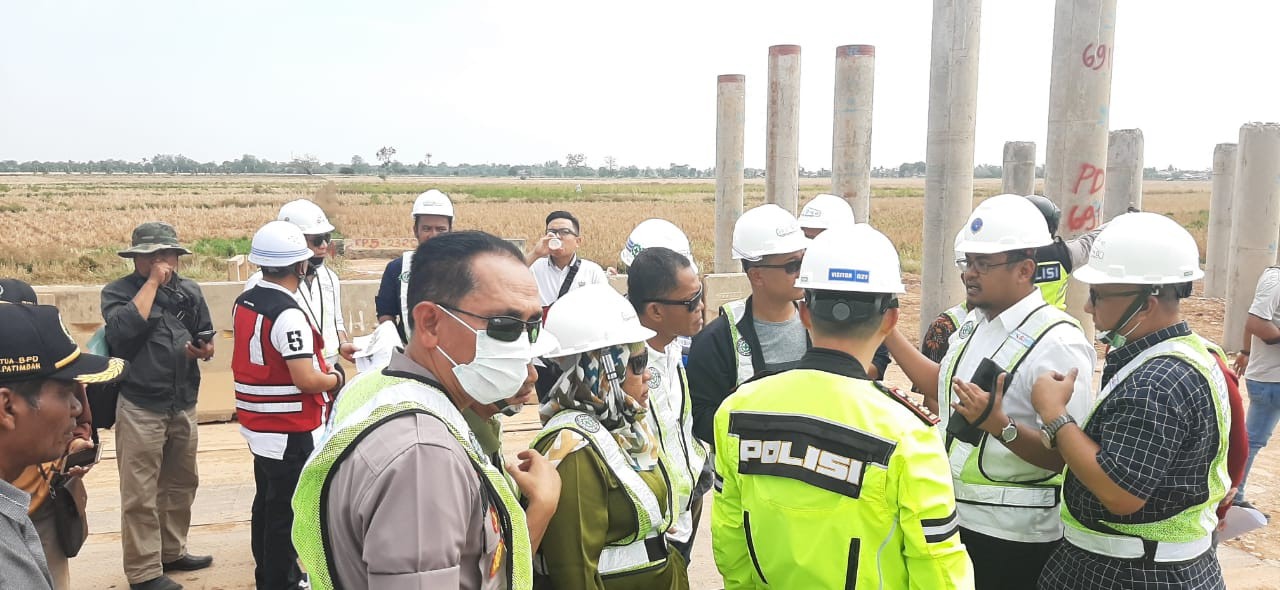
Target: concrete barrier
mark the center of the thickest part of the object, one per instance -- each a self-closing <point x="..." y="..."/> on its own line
<point x="81" y="308"/>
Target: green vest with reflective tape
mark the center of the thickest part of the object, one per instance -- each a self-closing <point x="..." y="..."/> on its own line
<point x="367" y="402"/>
<point x="1030" y="492"/>
<point x="685" y="454"/>
<point x="1051" y="278"/>
<point x="957" y="314"/>
<point x="653" y="516"/>
<point x="1196" y="523"/>
<point x="733" y="311"/>
<point x="407" y="262"/>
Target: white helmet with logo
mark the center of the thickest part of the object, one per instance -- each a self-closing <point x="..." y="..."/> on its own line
<point x="655" y="232"/>
<point x="308" y="216"/>
<point x="764" y="230"/>
<point x="860" y="260"/>
<point x="826" y="211"/>
<point x="1142" y="249"/>
<point x="956" y="245"/>
<point x="1004" y="223"/>
<point x="279" y="244"/>
<point x="433" y="202"/>
<point x="593" y="317"/>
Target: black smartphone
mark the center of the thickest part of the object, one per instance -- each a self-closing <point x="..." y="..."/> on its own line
<point x="985" y="377"/>
<point x="203" y="338"/>
<point x="83" y="458"/>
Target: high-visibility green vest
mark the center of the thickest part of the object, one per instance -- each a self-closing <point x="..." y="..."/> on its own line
<point x="368" y="401"/>
<point x="1051" y="278"/>
<point x="685" y="454"/>
<point x="733" y="311"/>
<point x="1187" y="534"/>
<point x="1031" y="493"/>
<point x="957" y="313"/>
<point x="844" y="486"/>
<point x="630" y="553"/>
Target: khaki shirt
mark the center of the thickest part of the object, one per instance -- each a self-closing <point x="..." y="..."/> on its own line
<point x="405" y="510"/>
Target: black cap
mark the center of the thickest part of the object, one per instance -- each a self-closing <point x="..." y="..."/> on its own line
<point x="36" y="345"/>
<point x="16" y="291"/>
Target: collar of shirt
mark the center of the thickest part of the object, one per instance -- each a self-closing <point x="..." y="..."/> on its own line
<point x="833" y="361"/>
<point x="401" y="363"/>
<point x="276" y="286"/>
<point x="1016" y="313"/>
<point x="1121" y="356"/>
<point x="13" y="501"/>
<point x="552" y="263"/>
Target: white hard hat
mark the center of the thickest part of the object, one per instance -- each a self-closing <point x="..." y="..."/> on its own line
<point x="956" y="245"/>
<point x="593" y="317"/>
<point x="279" y="244"/>
<point x="764" y="230"/>
<point x="433" y="202"/>
<point x="308" y="216"/>
<point x="1004" y="223"/>
<point x="859" y="260"/>
<point x="655" y="232"/>
<point x="826" y="211"/>
<point x="1142" y="249"/>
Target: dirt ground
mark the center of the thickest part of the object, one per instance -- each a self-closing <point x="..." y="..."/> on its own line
<point x="220" y="524"/>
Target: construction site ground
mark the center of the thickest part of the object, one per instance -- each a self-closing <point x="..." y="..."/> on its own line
<point x="220" y="524"/>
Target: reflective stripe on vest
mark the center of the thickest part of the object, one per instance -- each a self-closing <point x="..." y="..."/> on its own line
<point x="325" y="310"/>
<point x="956" y="314"/>
<point x="733" y="311"/>
<point x="629" y="553"/>
<point x="1031" y="487"/>
<point x="1051" y="279"/>
<point x="684" y="454"/>
<point x="368" y="401"/>
<point x="404" y="294"/>
<point x="1190" y="529"/>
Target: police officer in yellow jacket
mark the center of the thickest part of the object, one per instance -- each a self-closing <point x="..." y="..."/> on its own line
<point x="825" y="478"/>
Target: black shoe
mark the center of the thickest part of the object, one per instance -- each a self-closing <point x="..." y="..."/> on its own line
<point x="189" y="563"/>
<point x="160" y="583"/>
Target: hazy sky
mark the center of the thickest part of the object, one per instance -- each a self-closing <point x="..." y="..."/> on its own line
<point x="514" y="82"/>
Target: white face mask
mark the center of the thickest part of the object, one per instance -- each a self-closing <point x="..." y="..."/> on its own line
<point x="499" y="369"/>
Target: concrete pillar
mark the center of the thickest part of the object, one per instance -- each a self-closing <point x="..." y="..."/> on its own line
<point x="1079" y="102"/>
<point x="782" y="139"/>
<point x="953" y="113"/>
<point x="1255" y="223"/>
<point x="731" y="124"/>
<point x="1018" y="176"/>
<point x="1218" y="244"/>
<point x="851" y="131"/>
<point x="1124" y="173"/>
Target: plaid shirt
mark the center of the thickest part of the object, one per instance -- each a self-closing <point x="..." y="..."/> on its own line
<point x="1152" y="430"/>
<point x="22" y="562"/>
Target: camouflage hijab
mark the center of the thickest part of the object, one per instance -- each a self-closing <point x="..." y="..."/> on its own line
<point x="592" y="383"/>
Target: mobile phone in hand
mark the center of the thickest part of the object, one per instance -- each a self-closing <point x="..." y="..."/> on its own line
<point x="83" y="458"/>
<point x="204" y="338"/>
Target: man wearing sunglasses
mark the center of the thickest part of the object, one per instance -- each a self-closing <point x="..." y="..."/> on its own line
<point x="762" y="332"/>
<point x="401" y="494"/>
<point x="667" y="294"/>
<point x="320" y="292"/>
<point x="432" y="216"/>
<point x="1007" y="482"/>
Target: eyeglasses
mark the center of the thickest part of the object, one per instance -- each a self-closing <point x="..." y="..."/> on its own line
<point x="691" y="304"/>
<point x="791" y="267"/>
<point x="983" y="267"/>
<point x="1095" y="297"/>
<point x="320" y="239"/>
<point x="504" y="327"/>
<point x="563" y="232"/>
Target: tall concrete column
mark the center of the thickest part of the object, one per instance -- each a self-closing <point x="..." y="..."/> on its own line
<point x="1124" y="172"/>
<point x="1255" y="223"/>
<point x="1218" y="244"/>
<point x="782" y="139"/>
<point x="851" y="131"/>
<point x="953" y="115"/>
<point x="731" y="124"/>
<point x="1018" y="176"/>
<point x="1079" y="103"/>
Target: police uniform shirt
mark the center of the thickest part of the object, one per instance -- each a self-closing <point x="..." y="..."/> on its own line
<point x="1151" y="430"/>
<point x="291" y="335"/>
<point x="1060" y="349"/>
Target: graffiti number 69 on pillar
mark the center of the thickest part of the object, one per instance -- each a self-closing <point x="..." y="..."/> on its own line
<point x="1094" y="56"/>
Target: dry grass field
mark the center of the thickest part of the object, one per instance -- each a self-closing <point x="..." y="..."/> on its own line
<point x="66" y="229"/>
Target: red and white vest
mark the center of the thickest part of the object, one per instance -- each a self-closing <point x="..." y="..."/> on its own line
<point x="266" y="398"/>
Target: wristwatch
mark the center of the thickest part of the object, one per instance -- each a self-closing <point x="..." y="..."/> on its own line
<point x="1009" y="433"/>
<point x="1049" y="432"/>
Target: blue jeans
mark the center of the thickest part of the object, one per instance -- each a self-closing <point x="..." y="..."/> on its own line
<point x="1264" y="412"/>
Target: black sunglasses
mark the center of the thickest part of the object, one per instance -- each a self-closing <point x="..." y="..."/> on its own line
<point x="504" y="327"/>
<point x="320" y="239"/>
<point x="1095" y="297"/>
<point x="691" y="304"/>
<point x="791" y="267"/>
